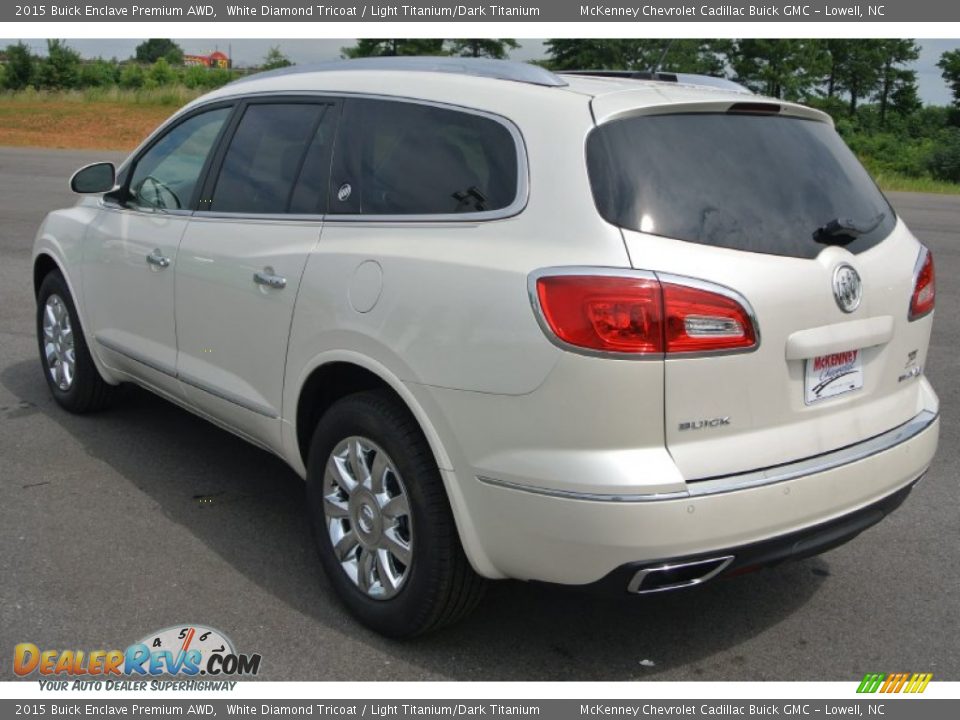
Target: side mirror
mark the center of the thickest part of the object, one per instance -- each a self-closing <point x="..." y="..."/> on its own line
<point x="96" y="178"/>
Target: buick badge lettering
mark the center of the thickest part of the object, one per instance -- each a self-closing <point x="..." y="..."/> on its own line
<point x="708" y="423"/>
<point x="847" y="288"/>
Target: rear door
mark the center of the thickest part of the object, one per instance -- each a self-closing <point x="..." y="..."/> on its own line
<point x="745" y="200"/>
<point x="242" y="257"/>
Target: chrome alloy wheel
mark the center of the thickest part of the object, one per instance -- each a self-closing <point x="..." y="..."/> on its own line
<point x="58" y="345"/>
<point x="367" y="515"/>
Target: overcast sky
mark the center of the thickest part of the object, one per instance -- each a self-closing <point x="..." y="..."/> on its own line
<point x="933" y="90"/>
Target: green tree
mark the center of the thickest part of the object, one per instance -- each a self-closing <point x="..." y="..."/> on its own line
<point x="60" y="70"/>
<point x="19" y="68"/>
<point x="898" y="85"/>
<point x="149" y="51"/>
<point x="98" y="73"/>
<point x="858" y="74"/>
<point x="132" y="76"/>
<point x="275" y="59"/>
<point x="706" y="57"/>
<point x="395" y="46"/>
<point x="785" y="68"/>
<point x="485" y="47"/>
<point x="161" y="74"/>
<point x="949" y="64"/>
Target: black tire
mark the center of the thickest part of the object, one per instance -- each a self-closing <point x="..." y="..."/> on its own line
<point x="441" y="587"/>
<point x="88" y="391"/>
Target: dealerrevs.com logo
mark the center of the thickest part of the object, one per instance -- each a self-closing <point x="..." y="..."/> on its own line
<point x="179" y="651"/>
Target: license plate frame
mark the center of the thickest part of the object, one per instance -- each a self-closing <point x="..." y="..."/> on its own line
<point x="832" y="375"/>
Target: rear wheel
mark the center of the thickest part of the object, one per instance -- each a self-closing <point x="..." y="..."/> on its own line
<point x="383" y="524"/>
<point x="70" y="372"/>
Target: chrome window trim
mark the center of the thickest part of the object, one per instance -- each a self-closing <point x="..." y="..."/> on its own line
<point x="756" y="478"/>
<point x="661" y="277"/>
<point x="518" y="205"/>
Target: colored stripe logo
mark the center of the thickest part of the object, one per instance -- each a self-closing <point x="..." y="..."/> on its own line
<point x="894" y="682"/>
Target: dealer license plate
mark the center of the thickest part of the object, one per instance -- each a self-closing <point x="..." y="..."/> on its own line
<point x="831" y="375"/>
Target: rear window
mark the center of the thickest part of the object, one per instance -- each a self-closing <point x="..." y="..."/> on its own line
<point x="749" y="182"/>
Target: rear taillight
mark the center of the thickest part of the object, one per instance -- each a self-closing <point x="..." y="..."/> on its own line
<point x="700" y="320"/>
<point x="606" y="313"/>
<point x="642" y="315"/>
<point x="924" y="286"/>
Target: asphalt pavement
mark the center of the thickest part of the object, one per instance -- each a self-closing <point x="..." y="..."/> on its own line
<point x="143" y="517"/>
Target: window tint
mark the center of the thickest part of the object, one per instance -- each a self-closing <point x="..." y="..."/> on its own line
<point x="398" y="158"/>
<point x="749" y="182"/>
<point x="166" y="175"/>
<point x="273" y="146"/>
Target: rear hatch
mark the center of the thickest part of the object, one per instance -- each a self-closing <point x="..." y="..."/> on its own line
<point x="775" y="207"/>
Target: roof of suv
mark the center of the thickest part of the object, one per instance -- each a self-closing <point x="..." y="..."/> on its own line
<point x="432" y="78"/>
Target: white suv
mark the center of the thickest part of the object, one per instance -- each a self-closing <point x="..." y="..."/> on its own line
<point x="511" y="324"/>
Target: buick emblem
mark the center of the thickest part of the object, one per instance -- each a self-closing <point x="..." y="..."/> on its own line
<point x="847" y="288"/>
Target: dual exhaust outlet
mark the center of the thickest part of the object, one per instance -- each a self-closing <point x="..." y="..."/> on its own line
<point x="674" y="576"/>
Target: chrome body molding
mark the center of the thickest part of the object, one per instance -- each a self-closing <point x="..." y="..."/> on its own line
<point x="137" y="357"/>
<point x="755" y="478"/>
<point x="818" y="463"/>
<point x="229" y="397"/>
<point x="573" y="495"/>
<point x="192" y="382"/>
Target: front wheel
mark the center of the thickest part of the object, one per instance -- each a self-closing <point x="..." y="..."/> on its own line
<point x="70" y="372"/>
<point x="382" y="521"/>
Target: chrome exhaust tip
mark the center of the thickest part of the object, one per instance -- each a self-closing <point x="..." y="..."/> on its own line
<point x="673" y="576"/>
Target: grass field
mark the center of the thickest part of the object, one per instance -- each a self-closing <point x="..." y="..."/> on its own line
<point x="115" y="119"/>
<point x="92" y="119"/>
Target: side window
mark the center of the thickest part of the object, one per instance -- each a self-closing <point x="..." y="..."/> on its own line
<point x="278" y="160"/>
<point x="401" y="158"/>
<point x="166" y="175"/>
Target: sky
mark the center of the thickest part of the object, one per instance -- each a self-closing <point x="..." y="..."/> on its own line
<point x="933" y="90"/>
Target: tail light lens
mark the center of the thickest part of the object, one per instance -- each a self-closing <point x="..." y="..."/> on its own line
<point x="701" y="320"/>
<point x="924" y="286"/>
<point x="642" y="316"/>
<point x="612" y="314"/>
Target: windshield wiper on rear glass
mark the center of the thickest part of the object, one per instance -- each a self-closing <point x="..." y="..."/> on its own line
<point x="841" y="231"/>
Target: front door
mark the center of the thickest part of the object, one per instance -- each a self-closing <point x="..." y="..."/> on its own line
<point x="130" y="252"/>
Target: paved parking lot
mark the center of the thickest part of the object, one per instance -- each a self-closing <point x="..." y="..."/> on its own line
<point x="144" y="517"/>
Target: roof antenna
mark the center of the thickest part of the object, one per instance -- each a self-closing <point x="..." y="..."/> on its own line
<point x="663" y="56"/>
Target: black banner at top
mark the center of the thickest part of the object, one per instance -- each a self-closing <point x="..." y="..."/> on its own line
<point x="579" y="11"/>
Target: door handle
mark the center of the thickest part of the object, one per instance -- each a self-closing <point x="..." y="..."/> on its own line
<point x="157" y="259"/>
<point x="266" y="277"/>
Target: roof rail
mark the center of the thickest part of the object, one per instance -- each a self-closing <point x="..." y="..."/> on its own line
<point x="682" y="78"/>
<point x="477" y="67"/>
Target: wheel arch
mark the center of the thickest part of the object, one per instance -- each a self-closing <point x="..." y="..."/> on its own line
<point x="356" y="373"/>
<point x="43" y="265"/>
<point x="45" y="261"/>
<point x="340" y="374"/>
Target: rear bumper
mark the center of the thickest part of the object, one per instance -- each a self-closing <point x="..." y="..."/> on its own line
<point x="529" y="535"/>
<point x="642" y="577"/>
